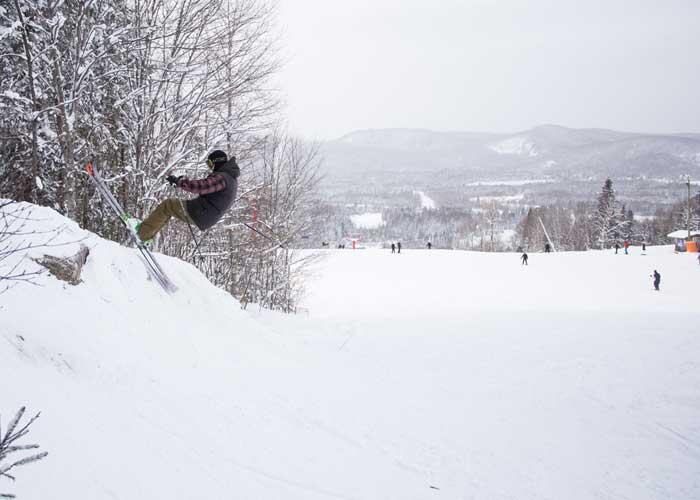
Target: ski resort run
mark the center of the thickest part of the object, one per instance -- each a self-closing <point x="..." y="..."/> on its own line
<point x="426" y="375"/>
<point x="367" y="220"/>
<point x="426" y="202"/>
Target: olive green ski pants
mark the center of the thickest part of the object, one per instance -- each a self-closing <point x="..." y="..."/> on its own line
<point x="171" y="207"/>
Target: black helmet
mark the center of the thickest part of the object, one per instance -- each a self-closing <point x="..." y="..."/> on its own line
<point x="216" y="157"/>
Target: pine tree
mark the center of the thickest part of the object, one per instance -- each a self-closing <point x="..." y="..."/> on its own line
<point x="606" y="219"/>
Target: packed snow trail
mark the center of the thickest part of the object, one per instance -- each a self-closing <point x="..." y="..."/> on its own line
<point x="465" y="372"/>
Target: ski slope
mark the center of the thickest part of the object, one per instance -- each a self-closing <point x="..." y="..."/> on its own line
<point x="429" y="374"/>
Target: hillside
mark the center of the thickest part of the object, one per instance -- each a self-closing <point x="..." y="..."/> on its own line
<point x="545" y="150"/>
<point x="429" y="374"/>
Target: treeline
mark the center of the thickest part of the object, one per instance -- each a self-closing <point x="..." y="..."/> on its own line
<point x="145" y="88"/>
<point x="602" y="223"/>
<point x="465" y="228"/>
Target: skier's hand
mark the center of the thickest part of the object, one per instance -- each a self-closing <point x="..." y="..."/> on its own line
<point x="174" y="181"/>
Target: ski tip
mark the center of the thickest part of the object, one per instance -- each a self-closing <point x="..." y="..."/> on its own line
<point x="89" y="169"/>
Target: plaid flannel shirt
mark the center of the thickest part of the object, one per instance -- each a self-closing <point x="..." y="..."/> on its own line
<point x="211" y="184"/>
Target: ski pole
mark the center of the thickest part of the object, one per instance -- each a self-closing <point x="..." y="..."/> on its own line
<point x="196" y="244"/>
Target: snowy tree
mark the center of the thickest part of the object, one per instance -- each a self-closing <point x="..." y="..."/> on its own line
<point x="606" y="221"/>
<point x="9" y="445"/>
<point x="13" y="246"/>
<point x="27" y="135"/>
<point x="582" y="237"/>
<point x="530" y="232"/>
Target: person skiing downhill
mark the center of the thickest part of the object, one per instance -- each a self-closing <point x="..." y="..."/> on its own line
<point x="217" y="193"/>
<point x="524" y="258"/>
<point x="657" y="280"/>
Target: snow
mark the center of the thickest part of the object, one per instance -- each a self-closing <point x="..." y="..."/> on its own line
<point x="682" y="234"/>
<point x="425" y="374"/>
<point x="503" y="199"/>
<point x="514" y="182"/>
<point x="507" y="236"/>
<point x="426" y="202"/>
<point x="368" y="220"/>
<point x="12" y="95"/>
<point x="644" y="218"/>
<point x="519" y="145"/>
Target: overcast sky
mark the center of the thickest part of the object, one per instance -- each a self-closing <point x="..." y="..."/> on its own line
<point x="490" y="65"/>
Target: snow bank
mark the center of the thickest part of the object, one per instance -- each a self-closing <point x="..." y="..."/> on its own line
<point x="425" y="374"/>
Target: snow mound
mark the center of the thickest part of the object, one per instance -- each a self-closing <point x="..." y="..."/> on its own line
<point x="148" y="395"/>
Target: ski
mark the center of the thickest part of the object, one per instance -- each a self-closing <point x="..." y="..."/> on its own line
<point x="152" y="266"/>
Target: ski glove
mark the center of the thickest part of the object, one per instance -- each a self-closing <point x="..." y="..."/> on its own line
<point x="174" y="181"/>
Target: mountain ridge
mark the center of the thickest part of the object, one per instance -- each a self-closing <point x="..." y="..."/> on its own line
<point x="545" y="149"/>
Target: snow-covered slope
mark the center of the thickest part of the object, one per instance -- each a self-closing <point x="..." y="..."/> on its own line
<point x="429" y="374"/>
<point x="520" y="146"/>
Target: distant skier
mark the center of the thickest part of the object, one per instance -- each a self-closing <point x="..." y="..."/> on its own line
<point x="657" y="280"/>
<point x="398" y="247"/>
<point x="430" y="245"/>
<point x="617" y="247"/>
<point x="627" y="245"/>
<point x="393" y="248"/>
<point x="547" y="248"/>
<point x="217" y="193"/>
<point x="524" y="258"/>
<point x="644" y="246"/>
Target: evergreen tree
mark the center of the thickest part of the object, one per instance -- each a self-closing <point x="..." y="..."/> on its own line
<point x="606" y="219"/>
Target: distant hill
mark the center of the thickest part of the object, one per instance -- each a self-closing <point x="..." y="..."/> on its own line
<point x="549" y="150"/>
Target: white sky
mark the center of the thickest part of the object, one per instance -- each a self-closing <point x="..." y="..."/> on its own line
<point x="490" y="65"/>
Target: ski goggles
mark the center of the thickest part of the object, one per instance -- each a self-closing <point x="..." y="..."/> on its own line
<point x="213" y="163"/>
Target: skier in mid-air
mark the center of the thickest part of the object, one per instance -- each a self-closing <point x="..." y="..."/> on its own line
<point x="217" y="193"/>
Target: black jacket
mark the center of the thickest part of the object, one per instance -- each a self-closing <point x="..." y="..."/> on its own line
<point x="207" y="209"/>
